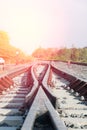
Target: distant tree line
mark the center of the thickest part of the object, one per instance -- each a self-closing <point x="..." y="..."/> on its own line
<point x="63" y="54"/>
<point x="10" y="53"/>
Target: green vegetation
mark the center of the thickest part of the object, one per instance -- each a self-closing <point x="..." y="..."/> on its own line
<point x="10" y="53"/>
<point x="15" y="55"/>
<point x="63" y="54"/>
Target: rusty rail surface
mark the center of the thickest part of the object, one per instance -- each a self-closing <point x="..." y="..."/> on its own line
<point x="41" y="97"/>
<point x="36" y="99"/>
<point x="6" y="78"/>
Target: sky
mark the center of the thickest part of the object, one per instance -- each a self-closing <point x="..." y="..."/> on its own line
<point x="44" y="23"/>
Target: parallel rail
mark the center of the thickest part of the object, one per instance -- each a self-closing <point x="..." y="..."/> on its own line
<point x="41" y="99"/>
<point x="32" y="98"/>
<point x="75" y="83"/>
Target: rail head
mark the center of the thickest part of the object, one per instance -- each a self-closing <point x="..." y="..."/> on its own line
<point x="30" y="119"/>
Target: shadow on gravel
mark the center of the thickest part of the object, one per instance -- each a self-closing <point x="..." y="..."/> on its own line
<point x="43" y="122"/>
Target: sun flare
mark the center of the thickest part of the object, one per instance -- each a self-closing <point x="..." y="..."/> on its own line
<point x="30" y="25"/>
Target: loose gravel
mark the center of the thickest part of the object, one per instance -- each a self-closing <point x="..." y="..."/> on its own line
<point x="78" y="71"/>
<point x="72" y="110"/>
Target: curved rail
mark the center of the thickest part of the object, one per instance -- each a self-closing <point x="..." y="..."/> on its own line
<point x="40" y="99"/>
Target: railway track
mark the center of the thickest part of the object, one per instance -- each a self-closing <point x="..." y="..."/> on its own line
<point x="41" y="98"/>
<point x="72" y="110"/>
<point x="10" y="102"/>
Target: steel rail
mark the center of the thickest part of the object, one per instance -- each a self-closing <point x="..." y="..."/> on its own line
<point x="39" y="98"/>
